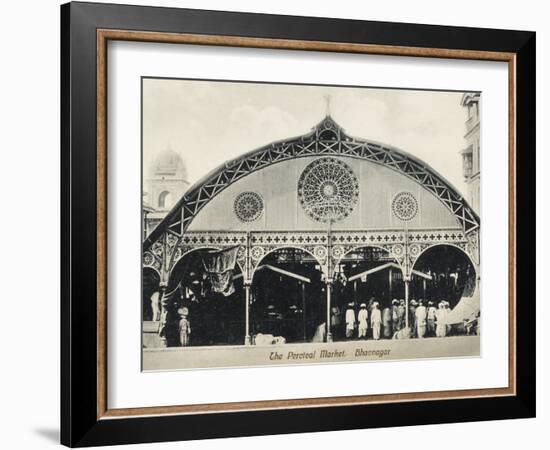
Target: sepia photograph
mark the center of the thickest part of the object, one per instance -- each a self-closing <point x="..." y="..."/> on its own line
<point x="292" y="224"/>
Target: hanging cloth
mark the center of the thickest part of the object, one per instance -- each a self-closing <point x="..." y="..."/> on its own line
<point x="219" y="267"/>
<point x="168" y="298"/>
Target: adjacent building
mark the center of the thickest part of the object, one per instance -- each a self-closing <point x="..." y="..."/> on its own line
<point x="166" y="183"/>
<point x="470" y="155"/>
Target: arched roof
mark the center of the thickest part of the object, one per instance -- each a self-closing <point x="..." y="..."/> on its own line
<point x="326" y="139"/>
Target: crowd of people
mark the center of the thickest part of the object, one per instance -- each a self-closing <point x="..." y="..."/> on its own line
<point x="368" y="321"/>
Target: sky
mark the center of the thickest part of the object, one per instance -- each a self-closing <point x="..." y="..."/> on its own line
<point x="210" y="122"/>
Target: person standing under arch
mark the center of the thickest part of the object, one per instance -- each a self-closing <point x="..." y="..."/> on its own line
<point x="387" y="322"/>
<point x="441" y="320"/>
<point x="412" y="317"/>
<point x="401" y="313"/>
<point x="363" y="318"/>
<point x="430" y="319"/>
<point x="420" y="319"/>
<point x="184" y="327"/>
<point x="395" y="315"/>
<point x="375" y="320"/>
<point x="350" y="321"/>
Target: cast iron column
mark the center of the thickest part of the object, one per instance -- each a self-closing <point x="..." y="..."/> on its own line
<point x="329" y="290"/>
<point x="247" y="313"/>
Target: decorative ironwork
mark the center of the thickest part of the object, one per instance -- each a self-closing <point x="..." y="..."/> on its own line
<point x="316" y="243"/>
<point x="472" y="247"/>
<point x="288" y="238"/>
<point x="149" y="260"/>
<point x="257" y="252"/>
<point x="248" y="206"/>
<point x="328" y="190"/>
<point x="326" y="139"/>
<point x="338" y="251"/>
<point x="414" y="250"/>
<point x="320" y="252"/>
<point x="404" y="206"/>
<point x="398" y="251"/>
<point x="214" y="238"/>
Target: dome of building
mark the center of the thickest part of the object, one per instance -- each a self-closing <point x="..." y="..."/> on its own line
<point x="169" y="163"/>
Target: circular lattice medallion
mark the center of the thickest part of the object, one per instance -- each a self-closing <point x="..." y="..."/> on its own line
<point x="398" y="250"/>
<point x="320" y="252"/>
<point x="248" y="206"/>
<point x="328" y="190"/>
<point x="257" y="252"/>
<point x="404" y="206"/>
<point x="414" y="250"/>
<point x="338" y="251"/>
<point x="148" y="259"/>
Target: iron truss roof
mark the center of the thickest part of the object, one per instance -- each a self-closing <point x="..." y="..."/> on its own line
<point x="327" y="138"/>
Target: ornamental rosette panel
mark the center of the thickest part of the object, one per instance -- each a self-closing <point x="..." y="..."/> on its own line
<point x="248" y="206"/>
<point x="257" y="252"/>
<point x="398" y="251"/>
<point x="328" y="190"/>
<point x="404" y="206"/>
<point x="149" y="260"/>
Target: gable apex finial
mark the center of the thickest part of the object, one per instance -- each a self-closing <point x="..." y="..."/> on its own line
<point x="327" y="104"/>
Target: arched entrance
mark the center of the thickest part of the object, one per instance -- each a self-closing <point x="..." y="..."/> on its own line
<point x="215" y="318"/>
<point x="365" y="275"/>
<point x="452" y="275"/>
<point x="288" y="298"/>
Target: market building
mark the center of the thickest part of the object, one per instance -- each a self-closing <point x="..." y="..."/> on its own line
<point x="282" y="240"/>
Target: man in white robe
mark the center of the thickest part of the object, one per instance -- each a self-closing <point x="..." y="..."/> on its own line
<point x="387" y="322"/>
<point x="447" y="307"/>
<point x="431" y="319"/>
<point x="420" y="314"/>
<point x="441" y="320"/>
<point x="350" y="321"/>
<point x="375" y="320"/>
<point x="363" y="318"/>
<point x="395" y="315"/>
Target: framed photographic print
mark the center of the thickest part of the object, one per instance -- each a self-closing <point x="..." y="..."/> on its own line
<point x="277" y="224"/>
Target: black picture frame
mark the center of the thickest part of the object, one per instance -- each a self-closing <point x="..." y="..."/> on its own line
<point x="80" y="424"/>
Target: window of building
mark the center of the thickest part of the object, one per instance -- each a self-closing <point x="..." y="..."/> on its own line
<point x="165" y="199"/>
<point x="467" y="164"/>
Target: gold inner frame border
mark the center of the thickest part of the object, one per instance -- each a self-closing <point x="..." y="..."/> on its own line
<point x="105" y="35"/>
